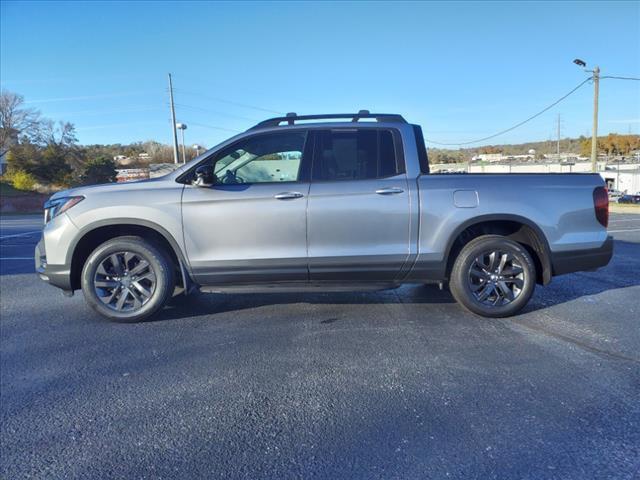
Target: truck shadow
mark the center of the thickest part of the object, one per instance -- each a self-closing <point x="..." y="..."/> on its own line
<point x="622" y="272"/>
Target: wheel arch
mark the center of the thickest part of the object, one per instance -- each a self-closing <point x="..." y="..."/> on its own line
<point x="99" y="232"/>
<point x="515" y="227"/>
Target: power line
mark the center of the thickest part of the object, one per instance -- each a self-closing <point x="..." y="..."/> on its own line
<point x="191" y="107"/>
<point x="230" y="102"/>
<point x="518" y="124"/>
<point x="212" y="127"/>
<point x="637" y="79"/>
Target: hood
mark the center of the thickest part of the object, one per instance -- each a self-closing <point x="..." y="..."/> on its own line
<point x="86" y="190"/>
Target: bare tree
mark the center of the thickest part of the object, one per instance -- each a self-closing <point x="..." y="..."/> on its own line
<point x="16" y="120"/>
<point x="62" y="134"/>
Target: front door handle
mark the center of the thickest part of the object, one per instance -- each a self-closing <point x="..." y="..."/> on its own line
<point x="389" y="191"/>
<point x="287" y="195"/>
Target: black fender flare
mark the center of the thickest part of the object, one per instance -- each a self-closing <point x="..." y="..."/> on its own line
<point x="185" y="268"/>
<point x="542" y="248"/>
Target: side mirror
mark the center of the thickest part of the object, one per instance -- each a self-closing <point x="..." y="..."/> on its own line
<point x="205" y="176"/>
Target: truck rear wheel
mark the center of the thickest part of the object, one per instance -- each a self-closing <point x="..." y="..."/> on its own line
<point x="493" y="276"/>
<point x="127" y="279"/>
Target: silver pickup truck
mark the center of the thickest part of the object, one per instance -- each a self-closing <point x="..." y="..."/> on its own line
<point x="324" y="202"/>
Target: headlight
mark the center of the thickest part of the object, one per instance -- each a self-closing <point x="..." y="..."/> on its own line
<point x="53" y="208"/>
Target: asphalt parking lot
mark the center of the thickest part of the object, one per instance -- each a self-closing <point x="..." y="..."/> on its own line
<point x="395" y="384"/>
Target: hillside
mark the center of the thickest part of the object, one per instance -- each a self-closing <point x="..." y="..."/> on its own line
<point x="611" y="144"/>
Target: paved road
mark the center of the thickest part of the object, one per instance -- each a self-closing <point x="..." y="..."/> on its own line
<point x="399" y="384"/>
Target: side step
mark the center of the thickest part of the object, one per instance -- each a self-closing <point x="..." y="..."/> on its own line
<point x="298" y="287"/>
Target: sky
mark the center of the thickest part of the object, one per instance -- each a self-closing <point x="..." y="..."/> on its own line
<point x="463" y="70"/>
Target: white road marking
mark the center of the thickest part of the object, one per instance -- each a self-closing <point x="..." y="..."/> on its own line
<point x="26" y="234"/>
<point x="620" y="231"/>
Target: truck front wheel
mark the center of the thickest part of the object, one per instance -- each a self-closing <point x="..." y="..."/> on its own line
<point x="493" y="276"/>
<point x="127" y="279"/>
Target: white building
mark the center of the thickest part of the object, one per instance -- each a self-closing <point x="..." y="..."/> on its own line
<point x="626" y="178"/>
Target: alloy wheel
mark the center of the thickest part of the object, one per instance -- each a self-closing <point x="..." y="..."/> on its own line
<point x="496" y="278"/>
<point x="124" y="281"/>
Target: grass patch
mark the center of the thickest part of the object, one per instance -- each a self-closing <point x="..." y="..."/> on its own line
<point x="624" y="208"/>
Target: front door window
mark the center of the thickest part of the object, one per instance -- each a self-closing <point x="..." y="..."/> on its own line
<point x="268" y="158"/>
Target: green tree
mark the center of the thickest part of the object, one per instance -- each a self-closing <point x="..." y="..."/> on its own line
<point x="99" y="170"/>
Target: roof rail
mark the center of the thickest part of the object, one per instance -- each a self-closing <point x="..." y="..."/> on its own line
<point x="293" y="117"/>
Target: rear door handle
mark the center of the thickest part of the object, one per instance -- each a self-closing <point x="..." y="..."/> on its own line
<point x="389" y="191"/>
<point x="288" y="195"/>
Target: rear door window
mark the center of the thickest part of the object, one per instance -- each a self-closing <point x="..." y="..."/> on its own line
<point x="352" y="154"/>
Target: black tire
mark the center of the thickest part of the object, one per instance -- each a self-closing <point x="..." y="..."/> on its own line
<point x="470" y="281"/>
<point x="157" y="279"/>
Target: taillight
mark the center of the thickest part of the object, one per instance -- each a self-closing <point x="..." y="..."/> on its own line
<point x="601" y="205"/>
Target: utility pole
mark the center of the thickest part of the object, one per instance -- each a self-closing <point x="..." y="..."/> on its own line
<point x="594" y="137"/>
<point x="558" y="141"/>
<point x="173" y="122"/>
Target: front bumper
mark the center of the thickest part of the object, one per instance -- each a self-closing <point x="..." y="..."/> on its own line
<point x="581" y="260"/>
<point x="56" y="275"/>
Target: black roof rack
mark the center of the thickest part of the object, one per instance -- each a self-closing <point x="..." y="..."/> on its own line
<point x="293" y="117"/>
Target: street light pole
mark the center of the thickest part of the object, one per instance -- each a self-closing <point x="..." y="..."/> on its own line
<point x="596" y="91"/>
<point x="184" y="158"/>
<point x="182" y="127"/>
<point x="594" y="137"/>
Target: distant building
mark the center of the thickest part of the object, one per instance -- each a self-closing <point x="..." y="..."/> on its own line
<point x="131" y="174"/>
<point x="154" y="170"/>
<point x="623" y="175"/>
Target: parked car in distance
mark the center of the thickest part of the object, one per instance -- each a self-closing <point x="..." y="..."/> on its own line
<point x="322" y="202"/>
<point x="614" y="194"/>
<point x="635" y="199"/>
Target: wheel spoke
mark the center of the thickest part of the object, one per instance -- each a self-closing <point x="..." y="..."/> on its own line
<point x="139" y="268"/>
<point x="128" y="256"/>
<point x="492" y="261"/>
<point x="117" y="264"/>
<point x="122" y="299"/>
<point x="107" y="299"/>
<point x="512" y="271"/>
<point x="506" y="291"/>
<point x="102" y="271"/>
<point x="145" y="293"/>
<point x="518" y="282"/>
<point x="106" y="283"/>
<point x="478" y="273"/>
<point x="503" y="261"/>
<point x="147" y="276"/>
<point x="485" y="292"/>
<point x="137" y="299"/>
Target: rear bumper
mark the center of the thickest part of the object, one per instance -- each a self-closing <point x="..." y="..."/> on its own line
<point x="56" y="275"/>
<point x="581" y="260"/>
